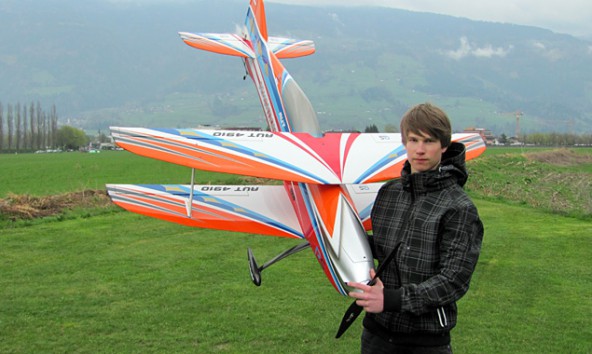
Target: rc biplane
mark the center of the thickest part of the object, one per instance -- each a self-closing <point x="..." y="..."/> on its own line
<point x="329" y="180"/>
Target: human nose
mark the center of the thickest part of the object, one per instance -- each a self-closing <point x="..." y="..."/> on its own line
<point x="420" y="147"/>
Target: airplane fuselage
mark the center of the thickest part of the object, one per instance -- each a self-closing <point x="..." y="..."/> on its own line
<point x="323" y="210"/>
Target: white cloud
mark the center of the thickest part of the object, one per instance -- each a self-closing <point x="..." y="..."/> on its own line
<point x="335" y="18"/>
<point x="539" y="45"/>
<point x="467" y="49"/>
<point x="488" y="51"/>
<point x="552" y="54"/>
<point x="462" y="51"/>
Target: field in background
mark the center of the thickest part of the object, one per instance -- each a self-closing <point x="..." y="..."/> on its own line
<point x="554" y="180"/>
<point x="112" y="281"/>
<point x="54" y="173"/>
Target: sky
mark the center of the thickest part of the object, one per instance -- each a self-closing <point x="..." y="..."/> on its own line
<point x="572" y="17"/>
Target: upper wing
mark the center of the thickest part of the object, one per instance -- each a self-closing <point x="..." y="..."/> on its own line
<point x="263" y="210"/>
<point x="332" y="159"/>
<point x="345" y="158"/>
<point x="221" y="43"/>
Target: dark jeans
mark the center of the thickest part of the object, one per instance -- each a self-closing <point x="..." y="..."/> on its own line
<point x="373" y="344"/>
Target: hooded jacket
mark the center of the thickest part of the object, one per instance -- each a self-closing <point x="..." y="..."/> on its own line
<point x="439" y="232"/>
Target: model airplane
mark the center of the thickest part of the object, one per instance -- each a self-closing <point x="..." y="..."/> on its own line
<point x="330" y="180"/>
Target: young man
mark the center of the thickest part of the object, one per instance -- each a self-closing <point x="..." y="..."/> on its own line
<point x="435" y="230"/>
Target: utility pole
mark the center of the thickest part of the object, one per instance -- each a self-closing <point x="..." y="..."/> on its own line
<point x="518" y="115"/>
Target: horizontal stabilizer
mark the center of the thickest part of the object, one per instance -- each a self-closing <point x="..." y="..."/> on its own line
<point x="285" y="48"/>
<point x="221" y="43"/>
<point x="265" y="210"/>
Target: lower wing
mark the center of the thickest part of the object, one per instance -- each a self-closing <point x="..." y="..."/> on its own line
<point x="263" y="210"/>
<point x="253" y="209"/>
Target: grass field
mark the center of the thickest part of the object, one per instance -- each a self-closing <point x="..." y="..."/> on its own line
<point x="116" y="282"/>
<point x="46" y="174"/>
<point x="555" y="180"/>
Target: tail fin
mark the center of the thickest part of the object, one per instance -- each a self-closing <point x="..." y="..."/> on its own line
<point x="258" y="9"/>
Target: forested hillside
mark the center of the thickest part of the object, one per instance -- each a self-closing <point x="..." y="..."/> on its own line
<point x="104" y="63"/>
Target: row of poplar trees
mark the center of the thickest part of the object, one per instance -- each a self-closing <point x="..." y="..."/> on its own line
<point x="27" y="128"/>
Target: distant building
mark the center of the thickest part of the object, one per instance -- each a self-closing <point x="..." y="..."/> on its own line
<point x="486" y="134"/>
<point x="255" y="129"/>
<point x="107" y="146"/>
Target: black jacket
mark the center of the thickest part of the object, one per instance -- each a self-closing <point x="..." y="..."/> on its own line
<point x="440" y="233"/>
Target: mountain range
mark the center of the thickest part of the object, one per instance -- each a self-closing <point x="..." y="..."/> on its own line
<point x="107" y="63"/>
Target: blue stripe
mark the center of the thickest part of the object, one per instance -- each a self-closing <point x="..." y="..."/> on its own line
<point x="386" y="160"/>
<point x="233" y="146"/>
<point x="201" y="197"/>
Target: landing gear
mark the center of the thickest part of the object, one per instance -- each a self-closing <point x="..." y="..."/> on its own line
<point x="256" y="270"/>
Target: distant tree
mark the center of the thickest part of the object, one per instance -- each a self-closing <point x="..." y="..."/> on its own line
<point x="25" y="129"/>
<point x="10" y="123"/>
<point x="1" y="127"/>
<point x="557" y="139"/>
<point x="103" y="138"/>
<point x="503" y="139"/>
<point x="28" y="128"/>
<point x="18" y="133"/>
<point x="32" y="127"/>
<point x="391" y="128"/>
<point x="371" y="129"/>
<point x="70" y="138"/>
<point x="39" y="126"/>
<point x="53" y="131"/>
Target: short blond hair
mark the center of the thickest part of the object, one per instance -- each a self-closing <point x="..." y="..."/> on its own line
<point x="426" y="118"/>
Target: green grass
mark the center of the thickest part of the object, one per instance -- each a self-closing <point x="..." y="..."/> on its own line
<point x="125" y="283"/>
<point x="514" y="175"/>
<point x="47" y="174"/>
<point x="116" y="282"/>
<point x="530" y="293"/>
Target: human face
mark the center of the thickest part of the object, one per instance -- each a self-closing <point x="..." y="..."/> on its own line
<point x="423" y="152"/>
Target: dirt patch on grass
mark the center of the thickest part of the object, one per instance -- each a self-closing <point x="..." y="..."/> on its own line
<point x="559" y="157"/>
<point x="26" y="207"/>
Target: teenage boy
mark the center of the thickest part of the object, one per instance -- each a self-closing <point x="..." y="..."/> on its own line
<point x="435" y="230"/>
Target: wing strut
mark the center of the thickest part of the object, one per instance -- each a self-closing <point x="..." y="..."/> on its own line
<point x="189" y="203"/>
<point x="256" y="270"/>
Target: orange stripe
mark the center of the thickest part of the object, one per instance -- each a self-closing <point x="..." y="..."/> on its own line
<point x="243" y="166"/>
<point x="389" y="173"/>
<point x="215" y="48"/>
<point x="326" y="199"/>
<point x="471" y="154"/>
<point x="204" y="220"/>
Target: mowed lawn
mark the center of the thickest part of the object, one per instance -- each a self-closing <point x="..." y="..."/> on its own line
<point x="123" y="283"/>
